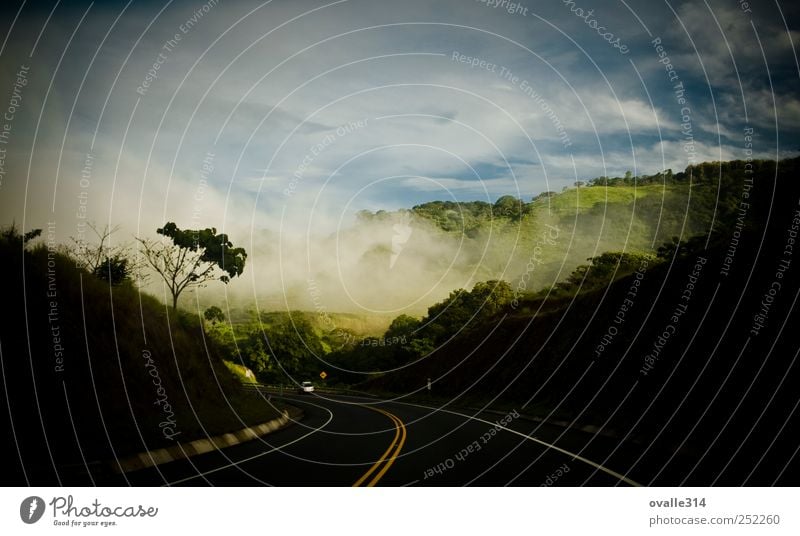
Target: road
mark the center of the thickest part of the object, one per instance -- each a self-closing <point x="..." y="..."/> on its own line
<point x="353" y="441"/>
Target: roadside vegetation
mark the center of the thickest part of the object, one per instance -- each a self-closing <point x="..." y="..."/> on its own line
<point x="99" y="367"/>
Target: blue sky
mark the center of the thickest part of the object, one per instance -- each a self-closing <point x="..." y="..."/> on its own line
<point x="299" y="109"/>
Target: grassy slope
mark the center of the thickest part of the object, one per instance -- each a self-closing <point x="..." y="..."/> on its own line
<point x="362" y="325"/>
<point x="106" y="387"/>
<point x="242" y="373"/>
<point x="590" y="220"/>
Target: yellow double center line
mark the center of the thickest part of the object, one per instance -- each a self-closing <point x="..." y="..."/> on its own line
<point x="389" y="456"/>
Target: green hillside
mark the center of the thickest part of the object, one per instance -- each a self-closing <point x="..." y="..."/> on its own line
<point x="544" y="239"/>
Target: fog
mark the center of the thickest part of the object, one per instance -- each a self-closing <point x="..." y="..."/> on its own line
<point x="400" y="264"/>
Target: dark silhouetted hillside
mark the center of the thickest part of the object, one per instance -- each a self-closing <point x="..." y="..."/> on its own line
<point x="94" y="372"/>
<point x="695" y="364"/>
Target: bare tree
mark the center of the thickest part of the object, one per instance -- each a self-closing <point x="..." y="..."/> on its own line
<point x="113" y="263"/>
<point x="90" y="255"/>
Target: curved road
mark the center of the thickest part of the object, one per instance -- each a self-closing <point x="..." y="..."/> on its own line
<point x="346" y="441"/>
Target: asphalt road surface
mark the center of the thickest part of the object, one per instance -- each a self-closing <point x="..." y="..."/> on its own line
<point x="353" y="441"/>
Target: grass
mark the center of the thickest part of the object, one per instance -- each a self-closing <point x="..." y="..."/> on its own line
<point x="242" y="373"/>
<point x="585" y="198"/>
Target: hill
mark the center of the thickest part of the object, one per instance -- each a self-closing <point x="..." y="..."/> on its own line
<point x="540" y="242"/>
<point x="94" y="373"/>
<point x="403" y="261"/>
<point x="694" y="353"/>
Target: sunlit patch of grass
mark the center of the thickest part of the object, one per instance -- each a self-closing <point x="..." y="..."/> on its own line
<point x="244" y="374"/>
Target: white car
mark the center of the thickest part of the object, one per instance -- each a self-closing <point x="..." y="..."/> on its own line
<point x="306" y="387"/>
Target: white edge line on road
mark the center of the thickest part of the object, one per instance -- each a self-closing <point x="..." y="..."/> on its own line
<point x="470" y="417"/>
<point x="539" y="441"/>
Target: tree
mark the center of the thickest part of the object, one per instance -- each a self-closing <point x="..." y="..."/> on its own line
<point x="254" y="353"/>
<point x="676" y="248"/>
<point x="291" y="340"/>
<point x="364" y="216"/>
<point x="112" y="263"/>
<point x="462" y="308"/>
<point x="192" y="258"/>
<point x="604" y="269"/>
<point x="90" y="255"/>
<point x="508" y="206"/>
<point x="491" y="296"/>
<point x="214" y="314"/>
<point x="11" y="236"/>
<point x="402" y="326"/>
<point x="114" y="269"/>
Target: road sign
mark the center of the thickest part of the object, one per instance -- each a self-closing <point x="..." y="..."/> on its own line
<point x="323" y="374"/>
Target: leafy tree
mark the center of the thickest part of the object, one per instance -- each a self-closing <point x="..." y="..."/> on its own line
<point x="421" y="347"/>
<point x="291" y="340"/>
<point x="456" y="216"/>
<point x="462" y="308"/>
<point x="214" y="314"/>
<point x="114" y="269"/>
<point x="508" y="206"/>
<point x="491" y="296"/>
<point x="402" y="326"/>
<point x="255" y="354"/>
<point x="604" y="269"/>
<point x="193" y="258"/>
<point x="364" y="215"/>
<point x="676" y="248"/>
<point x="11" y="236"/>
<point x="339" y="338"/>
